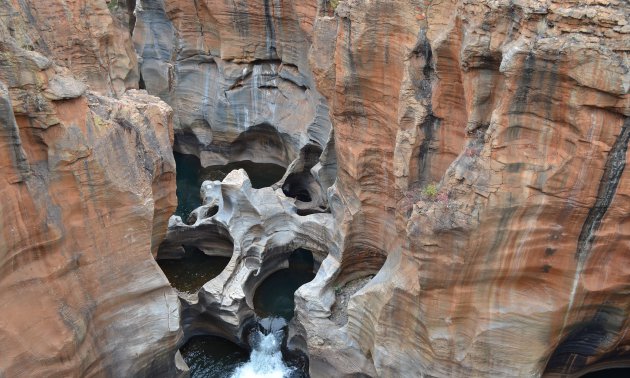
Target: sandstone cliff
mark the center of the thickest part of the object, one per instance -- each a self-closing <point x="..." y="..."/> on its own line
<point x="471" y="154"/>
<point x="88" y="184"/>
<point x="514" y="263"/>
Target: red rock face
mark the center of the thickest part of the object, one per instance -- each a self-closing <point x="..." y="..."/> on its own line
<point x="518" y="113"/>
<point x="480" y="150"/>
<point x="79" y="35"/>
<point x="88" y="186"/>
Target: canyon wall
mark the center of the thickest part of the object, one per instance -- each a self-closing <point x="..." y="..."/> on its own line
<point x="88" y="185"/>
<point x="471" y="154"/>
<point x="236" y="75"/>
<point x="481" y="149"/>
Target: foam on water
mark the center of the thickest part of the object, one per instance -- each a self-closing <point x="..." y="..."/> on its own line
<point x="265" y="360"/>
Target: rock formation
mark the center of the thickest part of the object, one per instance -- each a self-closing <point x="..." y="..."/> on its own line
<point x="512" y="264"/>
<point x="457" y="168"/>
<point x="88" y="187"/>
<point x="236" y="76"/>
<point x="258" y="228"/>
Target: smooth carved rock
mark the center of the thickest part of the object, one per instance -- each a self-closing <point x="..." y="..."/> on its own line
<point x="477" y="171"/>
<point x="88" y="187"/>
<point x="264" y="227"/>
<point x="237" y="79"/>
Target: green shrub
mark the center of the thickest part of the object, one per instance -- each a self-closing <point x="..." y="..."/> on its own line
<point x="333" y="4"/>
<point x="430" y="190"/>
<point x="112" y="4"/>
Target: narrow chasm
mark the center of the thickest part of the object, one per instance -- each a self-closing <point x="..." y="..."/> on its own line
<point x="188" y="182"/>
<point x="274" y="306"/>
<point x="199" y="247"/>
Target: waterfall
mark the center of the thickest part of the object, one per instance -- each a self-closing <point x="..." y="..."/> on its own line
<point x="265" y="360"/>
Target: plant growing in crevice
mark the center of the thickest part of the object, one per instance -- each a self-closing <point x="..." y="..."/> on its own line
<point x="430" y="191"/>
<point x="333" y="4"/>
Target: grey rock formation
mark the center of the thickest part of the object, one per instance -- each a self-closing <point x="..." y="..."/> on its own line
<point x="264" y="227"/>
<point x="264" y="108"/>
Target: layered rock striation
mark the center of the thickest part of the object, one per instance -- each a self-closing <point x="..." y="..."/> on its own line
<point x="237" y="77"/>
<point x="457" y="167"/>
<point x="88" y="185"/>
<point x="487" y="179"/>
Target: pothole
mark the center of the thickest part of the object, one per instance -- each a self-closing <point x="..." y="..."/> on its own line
<point x="297" y="186"/>
<point x="212" y="356"/>
<point x="275" y="295"/>
<point x="193" y="270"/>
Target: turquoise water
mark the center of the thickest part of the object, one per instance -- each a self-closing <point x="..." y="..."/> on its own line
<point x="188" y="184"/>
<point x="190" y="176"/>
<point x="275" y="296"/>
<point x="191" y="272"/>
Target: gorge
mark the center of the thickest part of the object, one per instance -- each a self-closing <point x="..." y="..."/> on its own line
<point x="323" y="188"/>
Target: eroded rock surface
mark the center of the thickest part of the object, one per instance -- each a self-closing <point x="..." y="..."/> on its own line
<point x="88" y="185"/>
<point x="258" y="228"/>
<point x="475" y="176"/>
<point x="79" y="35"/>
<point x="237" y="77"/>
<point x="513" y="263"/>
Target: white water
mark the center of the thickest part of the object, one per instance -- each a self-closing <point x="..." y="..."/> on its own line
<point x="265" y="360"/>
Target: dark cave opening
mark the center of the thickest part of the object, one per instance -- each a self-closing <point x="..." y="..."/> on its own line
<point x="261" y="175"/>
<point x="188" y="178"/>
<point x="296" y="186"/>
<point x="275" y="295"/>
<point x="620" y="372"/>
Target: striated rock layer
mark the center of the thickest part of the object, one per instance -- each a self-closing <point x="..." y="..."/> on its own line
<point x="237" y="77"/>
<point x="88" y="185"/>
<point x="472" y="155"/>
<point x="514" y="262"/>
<point x="479" y="152"/>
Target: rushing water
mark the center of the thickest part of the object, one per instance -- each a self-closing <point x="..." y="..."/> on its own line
<point x="265" y="360"/>
<point x="273" y="301"/>
<point x="192" y="271"/>
<point x="214" y="357"/>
